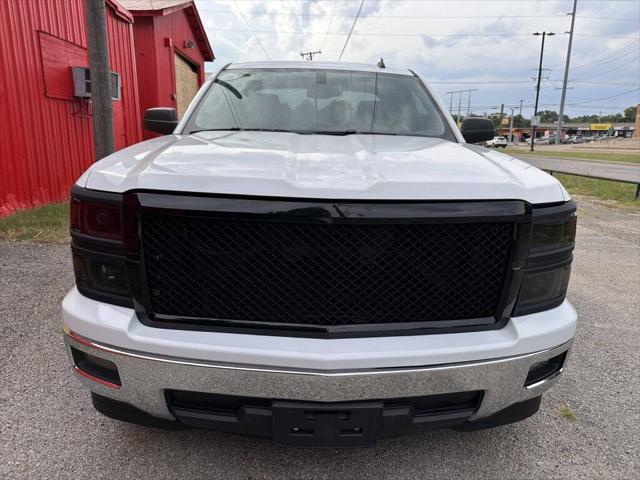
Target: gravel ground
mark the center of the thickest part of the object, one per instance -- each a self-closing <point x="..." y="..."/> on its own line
<point x="48" y="428"/>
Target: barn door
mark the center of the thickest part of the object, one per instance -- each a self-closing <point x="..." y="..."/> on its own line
<point x="186" y="83"/>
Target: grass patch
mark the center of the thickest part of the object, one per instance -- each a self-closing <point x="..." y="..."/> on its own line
<point x="621" y="193"/>
<point x="602" y="156"/>
<point x="566" y="412"/>
<point x="48" y="224"/>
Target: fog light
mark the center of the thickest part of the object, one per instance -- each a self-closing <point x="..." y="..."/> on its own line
<point x="545" y="370"/>
<point x="100" y="370"/>
<point x="100" y="274"/>
<point x="544" y="288"/>
<point x="109" y="277"/>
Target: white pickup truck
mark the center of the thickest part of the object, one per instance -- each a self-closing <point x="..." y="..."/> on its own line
<point x="316" y="254"/>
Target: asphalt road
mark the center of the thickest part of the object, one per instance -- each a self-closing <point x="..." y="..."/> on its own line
<point x="618" y="171"/>
<point x="48" y="428"/>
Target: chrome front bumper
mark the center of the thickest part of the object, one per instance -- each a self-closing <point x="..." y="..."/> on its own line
<point x="145" y="377"/>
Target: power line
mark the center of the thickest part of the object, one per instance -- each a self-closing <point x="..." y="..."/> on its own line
<point x="478" y="82"/>
<point x="353" y="25"/>
<point x="505" y="82"/>
<point x="457" y="1"/>
<point x="587" y="107"/>
<point x="250" y="29"/>
<point x="422" y="17"/>
<point x="324" y="41"/>
<point x="608" y="18"/>
<point x="606" y="82"/>
<point x="365" y="34"/>
<point x="581" y="107"/>
<point x="604" y="98"/>
<point x="603" y="36"/>
<point x="460" y="92"/>
<point x="621" y="72"/>
<point x="623" y="51"/>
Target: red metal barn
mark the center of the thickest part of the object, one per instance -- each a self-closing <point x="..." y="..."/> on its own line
<point x="171" y="48"/>
<point x="47" y="139"/>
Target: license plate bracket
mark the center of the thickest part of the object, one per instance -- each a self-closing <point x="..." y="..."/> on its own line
<point x="311" y="424"/>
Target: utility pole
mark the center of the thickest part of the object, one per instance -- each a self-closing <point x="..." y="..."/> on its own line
<point x="96" y="22"/>
<point x="566" y="72"/>
<point x="520" y="118"/>
<point x="535" y="108"/>
<point x="509" y="142"/>
<point x="520" y="112"/>
<point x="309" y="55"/>
<point x="469" y="100"/>
<point x="500" y="121"/>
<point x="460" y="92"/>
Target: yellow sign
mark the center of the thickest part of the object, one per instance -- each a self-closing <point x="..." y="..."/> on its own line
<point x="600" y="126"/>
<point x="505" y="121"/>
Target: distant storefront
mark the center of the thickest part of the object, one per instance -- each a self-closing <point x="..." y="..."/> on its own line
<point x="621" y="129"/>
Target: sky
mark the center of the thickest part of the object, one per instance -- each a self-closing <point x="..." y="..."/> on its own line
<point x="456" y="44"/>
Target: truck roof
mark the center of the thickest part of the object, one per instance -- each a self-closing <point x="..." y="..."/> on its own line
<point x="306" y="65"/>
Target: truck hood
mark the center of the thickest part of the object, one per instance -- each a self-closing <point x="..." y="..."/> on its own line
<point x="346" y="167"/>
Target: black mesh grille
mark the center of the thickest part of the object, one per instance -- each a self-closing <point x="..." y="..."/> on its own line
<point x="324" y="274"/>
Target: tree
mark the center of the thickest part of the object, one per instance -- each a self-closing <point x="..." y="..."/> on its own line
<point x="630" y="114"/>
<point x="520" y="122"/>
<point x="548" y="116"/>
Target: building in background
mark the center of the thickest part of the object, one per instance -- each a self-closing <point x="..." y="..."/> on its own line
<point x="548" y="130"/>
<point x="47" y="139"/>
<point x="171" y="48"/>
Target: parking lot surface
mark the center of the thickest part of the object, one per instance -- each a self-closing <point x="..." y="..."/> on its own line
<point x="588" y="426"/>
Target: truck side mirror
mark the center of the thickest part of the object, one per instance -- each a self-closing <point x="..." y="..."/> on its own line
<point x="161" y="120"/>
<point x="476" y="129"/>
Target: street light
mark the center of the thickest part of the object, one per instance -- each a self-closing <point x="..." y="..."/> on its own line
<point x="535" y="108"/>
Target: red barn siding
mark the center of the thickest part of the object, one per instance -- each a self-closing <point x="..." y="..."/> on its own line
<point x="146" y="64"/>
<point x="126" y="113"/>
<point x="45" y="147"/>
<point x="47" y="143"/>
<point x="157" y="38"/>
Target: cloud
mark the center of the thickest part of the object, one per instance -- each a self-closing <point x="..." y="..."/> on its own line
<point x="449" y="41"/>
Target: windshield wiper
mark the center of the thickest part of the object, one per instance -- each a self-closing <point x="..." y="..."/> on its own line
<point x="329" y="132"/>
<point x="301" y="132"/>
<point x="229" y="87"/>
<point x="232" y="129"/>
<point x="241" y="129"/>
<point x="342" y="132"/>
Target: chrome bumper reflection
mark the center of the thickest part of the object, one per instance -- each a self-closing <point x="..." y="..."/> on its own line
<point x="145" y="378"/>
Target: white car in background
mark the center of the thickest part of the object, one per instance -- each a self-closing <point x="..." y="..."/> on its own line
<point x="496" y="142"/>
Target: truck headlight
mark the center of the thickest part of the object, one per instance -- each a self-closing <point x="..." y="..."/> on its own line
<point x="548" y="266"/>
<point x="99" y="261"/>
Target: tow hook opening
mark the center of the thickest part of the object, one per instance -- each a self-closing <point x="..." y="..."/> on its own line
<point x="544" y="371"/>
<point x="95" y="368"/>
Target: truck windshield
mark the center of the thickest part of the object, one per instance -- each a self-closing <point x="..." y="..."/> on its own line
<point x="328" y="102"/>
